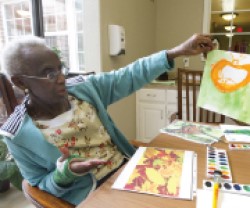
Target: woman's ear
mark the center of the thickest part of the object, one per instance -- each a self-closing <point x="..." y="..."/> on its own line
<point x="18" y="82"/>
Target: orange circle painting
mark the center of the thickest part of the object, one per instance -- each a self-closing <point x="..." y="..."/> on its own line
<point x="228" y="76"/>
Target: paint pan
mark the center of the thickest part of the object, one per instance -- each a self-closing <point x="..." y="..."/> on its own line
<point x="239" y="146"/>
<point x="217" y="159"/>
<point x="234" y="188"/>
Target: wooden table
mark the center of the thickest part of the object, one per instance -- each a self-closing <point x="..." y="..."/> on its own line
<point x="105" y="197"/>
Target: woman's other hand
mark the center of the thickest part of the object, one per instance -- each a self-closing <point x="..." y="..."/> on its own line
<point x="78" y="165"/>
<point x="196" y="44"/>
<point x="81" y="167"/>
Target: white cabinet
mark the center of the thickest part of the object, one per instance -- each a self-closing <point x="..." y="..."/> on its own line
<point x="151" y="118"/>
<point x="171" y="103"/>
<point x="153" y="110"/>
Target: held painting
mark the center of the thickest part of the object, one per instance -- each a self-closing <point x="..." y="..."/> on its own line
<point x="225" y="85"/>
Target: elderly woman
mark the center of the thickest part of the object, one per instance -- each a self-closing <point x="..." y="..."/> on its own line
<point x="61" y="136"/>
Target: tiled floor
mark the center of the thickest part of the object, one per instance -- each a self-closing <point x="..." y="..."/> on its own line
<point x="14" y="198"/>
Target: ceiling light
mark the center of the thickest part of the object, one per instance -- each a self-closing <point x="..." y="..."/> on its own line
<point x="228" y="16"/>
<point x="229" y="27"/>
<point x="23" y="13"/>
<point x="229" y="34"/>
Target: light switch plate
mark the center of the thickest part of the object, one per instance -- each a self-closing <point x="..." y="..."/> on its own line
<point x="186" y="62"/>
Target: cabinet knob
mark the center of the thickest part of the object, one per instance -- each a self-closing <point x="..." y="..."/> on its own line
<point x="151" y="95"/>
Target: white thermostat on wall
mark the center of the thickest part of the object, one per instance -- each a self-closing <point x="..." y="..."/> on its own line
<point x="116" y="40"/>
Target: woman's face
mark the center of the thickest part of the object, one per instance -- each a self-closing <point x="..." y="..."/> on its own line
<point x="39" y="62"/>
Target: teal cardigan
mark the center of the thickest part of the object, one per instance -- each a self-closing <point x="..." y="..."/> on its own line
<point x="36" y="157"/>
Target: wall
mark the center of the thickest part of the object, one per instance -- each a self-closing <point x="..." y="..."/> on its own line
<point x="138" y="19"/>
<point x="150" y="25"/>
<point x="177" y="20"/>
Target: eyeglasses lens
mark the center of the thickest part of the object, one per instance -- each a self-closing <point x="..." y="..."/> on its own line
<point x="55" y="74"/>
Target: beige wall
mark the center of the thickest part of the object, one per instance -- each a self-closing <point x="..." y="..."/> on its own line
<point x="176" y="21"/>
<point x="150" y="25"/>
<point x="138" y="19"/>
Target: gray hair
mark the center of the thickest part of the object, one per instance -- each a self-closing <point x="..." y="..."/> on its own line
<point x="12" y="57"/>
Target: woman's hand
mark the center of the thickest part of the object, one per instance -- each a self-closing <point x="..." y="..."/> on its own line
<point x="80" y="166"/>
<point x="196" y="44"/>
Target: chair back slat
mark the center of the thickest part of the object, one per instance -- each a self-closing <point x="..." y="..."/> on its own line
<point x="194" y="97"/>
<point x="201" y="112"/>
<point x="179" y="94"/>
<point x="189" y="82"/>
<point x="187" y="97"/>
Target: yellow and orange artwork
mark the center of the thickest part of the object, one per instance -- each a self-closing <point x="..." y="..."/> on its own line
<point x="158" y="171"/>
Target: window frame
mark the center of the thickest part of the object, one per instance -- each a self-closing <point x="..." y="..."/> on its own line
<point x="92" y="37"/>
<point x="91" y="30"/>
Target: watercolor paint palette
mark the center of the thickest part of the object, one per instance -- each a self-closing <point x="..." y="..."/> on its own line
<point x="239" y="146"/>
<point x="217" y="159"/>
<point x="234" y="188"/>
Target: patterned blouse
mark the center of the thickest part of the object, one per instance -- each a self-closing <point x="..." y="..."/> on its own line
<point x="81" y="130"/>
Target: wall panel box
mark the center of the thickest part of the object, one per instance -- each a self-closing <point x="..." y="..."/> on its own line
<point x="116" y="40"/>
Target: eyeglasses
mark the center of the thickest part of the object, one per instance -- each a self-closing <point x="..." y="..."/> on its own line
<point x="51" y="76"/>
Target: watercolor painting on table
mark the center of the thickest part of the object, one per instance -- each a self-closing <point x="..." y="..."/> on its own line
<point x="193" y="132"/>
<point x="225" y="85"/>
<point x="159" y="171"/>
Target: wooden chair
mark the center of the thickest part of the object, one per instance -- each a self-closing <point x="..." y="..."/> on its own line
<point x="42" y="199"/>
<point x="188" y="87"/>
<point x="8" y="98"/>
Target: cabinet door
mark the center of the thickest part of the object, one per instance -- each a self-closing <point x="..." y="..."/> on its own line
<point x="171" y="104"/>
<point x="151" y="117"/>
<point x="171" y="110"/>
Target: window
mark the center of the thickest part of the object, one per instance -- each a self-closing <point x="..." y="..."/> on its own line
<point x="15" y="20"/>
<point x="232" y="33"/>
<point x="70" y="26"/>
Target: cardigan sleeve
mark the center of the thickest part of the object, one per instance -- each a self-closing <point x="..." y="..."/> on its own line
<point x="113" y="86"/>
<point x="40" y="172"/>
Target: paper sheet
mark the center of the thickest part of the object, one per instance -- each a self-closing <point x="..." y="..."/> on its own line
<point x="194" y="132"/>
<point x="225" y="85"/>
<point x="233" y="137"/>
<point x="160" y="171"/>
<point x="225" y="200"/>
